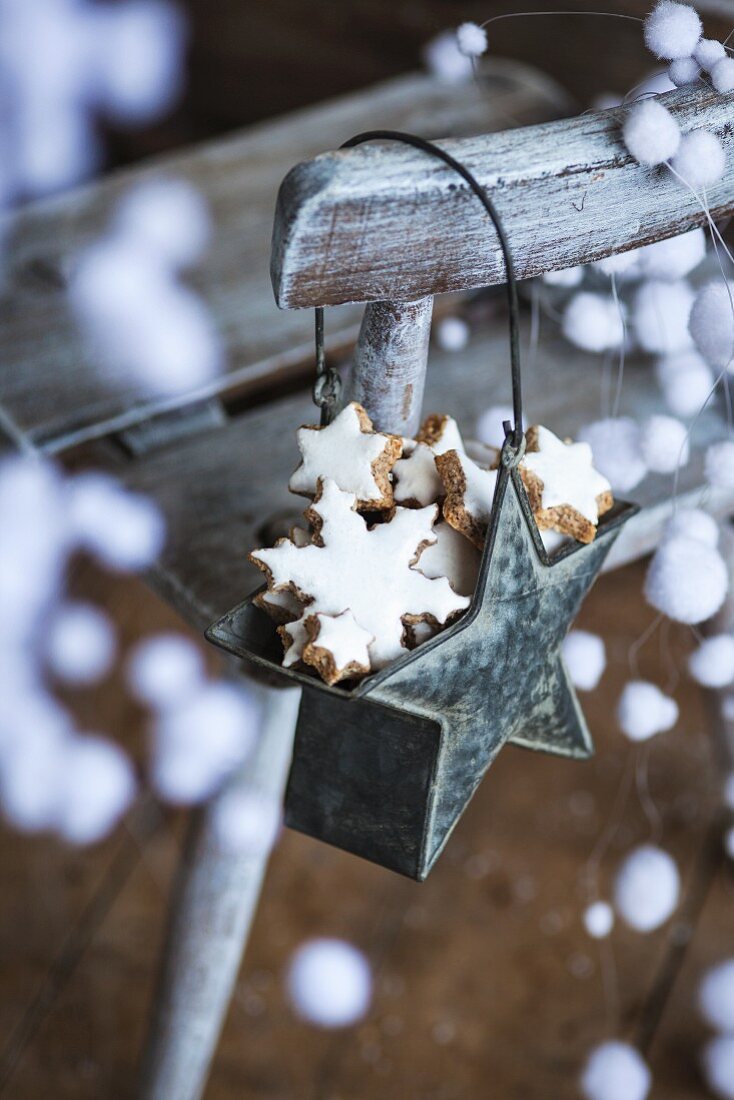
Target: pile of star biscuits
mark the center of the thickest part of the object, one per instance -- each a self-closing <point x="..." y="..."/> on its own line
<point x="391" y="546"/>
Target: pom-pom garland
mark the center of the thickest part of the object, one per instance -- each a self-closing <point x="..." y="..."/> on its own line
<point x="673" y="258"/>
<point x="615" y="1071"/>
<point x="693" y="523"/>
<point x="660" y="316"/>
<point x="471" y="39"/>
<point x="452" y="334"/>
<point x="585" y="658"/>
<point x="164" y="669"/>
<point x="651" y="134"/>
<point x="599" y="919"/>
<point x="645" y="710"/>
<point x="490" y="428"/>
<point x="80" y="644"/>
<point x="646" y="888"/>
<point x="246" y="822"/>
<point x="700" y="160"/>
<point x="722" y="75"/>
<point x="329" y="983"/>
<point x="664" y="444"/>
<point x="711" y="323"/>
<point x="593" y="322"/>
<point x="672" y="30"/>
<point x="712" y="663"/>
<point x="708" y="52"/>
<point x="445" y="61"/>
<point x="566" y="277"/>
<point x="717" y="1062"/>
<point x="686" y="580"/>
<point x="716" y="996"/>
<point x="684" y="71"/>
<point x="719" y="464"/>
<point x="686" y="382"/>
<point x="615" y="444"/>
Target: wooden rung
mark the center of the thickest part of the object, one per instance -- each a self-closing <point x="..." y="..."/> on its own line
<point x="388" y="221"/>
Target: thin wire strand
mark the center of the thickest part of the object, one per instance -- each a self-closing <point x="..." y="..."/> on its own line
<point x="483" y="196"/>
<point x="622" y="348"/>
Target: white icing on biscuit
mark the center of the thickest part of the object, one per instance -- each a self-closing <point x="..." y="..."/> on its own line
<point x="567" y="473"/>
<point x="484" y="454"/>
<point x="296" y="635"/>
<point x="344" y="638"/>
<point x="479" y="492"/>
<point x="344" y="452"/>
<point x="366" y="570"/>
<point x="416" y="476"/>
<point x="452" y="556"/>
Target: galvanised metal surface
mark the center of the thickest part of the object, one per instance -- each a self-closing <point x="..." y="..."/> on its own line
<point x="386" y="770"/>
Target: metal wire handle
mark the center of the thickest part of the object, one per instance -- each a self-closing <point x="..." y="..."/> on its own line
<point x="327" y="387"/>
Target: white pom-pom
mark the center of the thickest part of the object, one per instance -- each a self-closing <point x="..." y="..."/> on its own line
<point x="166" y="217"/>
<point x="444" y="60"/>
<point x="164" y="669"/>
<point x="716" y="996"/>
<point x="722" y="75"/>
<point x="123" y="530"/>
<point x="645" y="710"/>
<point x="686" y="381"/>
<point x="711" y="323"/>
<point x="729" y="842"/>
<point x="490" y="425"/>
<point x="672" y="30"/>
<point x="585" y="659"/>
<point x="660" y="316"/>
<point x="615" y="444"/>
<point x="619" y="264"/>
<point x="33" y="764"/>
<point x="246" y="822"/>
<point x="728" y="791"/>
<point x="650" y="132"/>
<point x="566" y="277"/>
<point x="593" y="322"/>
<point x="452" y="334"/>
<point x="615" y="1071"/>
<point x="712" y="664"/>
<point x="717" y="1061"/>
<point x="599" y="919"/>
<point x="684" y="71"/>
<point x="719" y="464"/>
<point x="198" y="743"/>
<point x="140" y="50"/>
<point x="656" y="84"/>
<point x="694" y="524"/>
<point x="700" y="160"/>
<point x="708" y="52"/>
<point x="471" y="39"/>
<point x="673" y="258"/>
<point x="97" y="787"/>
<point x="664" y="444"/>
<point x="646" y="888"/>
<point x="686" y="580"/>
<point x="80" y="644"/>
<point x="330" y="983"/>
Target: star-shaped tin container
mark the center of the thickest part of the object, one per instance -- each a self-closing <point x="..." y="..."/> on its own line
<point x="386" y="769"/>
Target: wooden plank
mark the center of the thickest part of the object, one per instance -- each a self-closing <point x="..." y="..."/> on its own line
<point x="458" y="961"/>
<point x="222" y="489"/>
<point x="386" y="221"/>
<point x="49" y="384"/>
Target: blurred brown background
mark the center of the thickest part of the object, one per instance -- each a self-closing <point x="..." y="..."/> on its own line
<point x="450" y="1019"/>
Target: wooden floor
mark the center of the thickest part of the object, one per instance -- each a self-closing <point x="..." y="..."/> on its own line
<point x="485" y="982"/>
